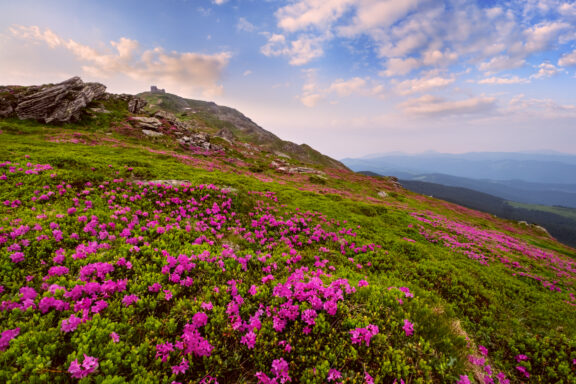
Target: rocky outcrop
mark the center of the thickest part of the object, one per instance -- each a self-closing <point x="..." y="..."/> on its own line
<point x="150" y="123"/>
<point x="135" y="104"/>
<point x="61" y="103"/>
<point x="281" y="166"/>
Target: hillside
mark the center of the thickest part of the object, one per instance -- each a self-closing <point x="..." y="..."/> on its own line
<point x="136" y="248"/>
<point x="230" y="124"/>
<point x="560" y="222"/>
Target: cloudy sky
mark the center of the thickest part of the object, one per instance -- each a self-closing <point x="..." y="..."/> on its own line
<point x="349" y="77"/>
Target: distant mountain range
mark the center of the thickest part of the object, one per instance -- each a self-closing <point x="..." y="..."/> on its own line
<point x="531" y="178"/>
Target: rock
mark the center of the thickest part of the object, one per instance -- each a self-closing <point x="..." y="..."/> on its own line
<point x="173" y="183"/>
<point x="281" y="154"/>
<point x="99" y="110"/>
<point x="150" y="123"/>
<point x="229" y="190"/>
<point x="6" y="109"/>
<point x="198" y="140"/>
<point x="281" y="166"/>
<point x="136" y="104"/>
<point x="150" y="133"/>
<point x="541" y="229"/>
<point x="62" y="103"/>
<point x="382" y="194"/>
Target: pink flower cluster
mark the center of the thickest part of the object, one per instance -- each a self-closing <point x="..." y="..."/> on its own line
<point x="89" y="365"/>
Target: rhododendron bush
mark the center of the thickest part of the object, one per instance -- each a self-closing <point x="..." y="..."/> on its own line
<point x="108" y="277"/>
<point x="154" y="283"/>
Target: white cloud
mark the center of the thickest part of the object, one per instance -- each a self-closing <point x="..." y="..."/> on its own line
<point x="347" y="87"/>
<point x="247" y="72"/>
<point x="245" y="25"/>
<point x="301" y="51"/>
<point x="568" y="9"/>
<point x="313" y="92"/>
<point x="541" y="108"/>
<point x="182" y="71"/>
<point x="568" y="59"/>
<point x="501" y="63"/>
<point x="424" y="84"/>
<point x="546" y="70"/>
<point x="429" y="106"/>
<point x="541" y="36"/>
<point x="303" y="14"/>
<point x="504" y="80"/>
<point x="374" y="15"/>
<point x="219" y="2"/>
<point x="397" y="66"/>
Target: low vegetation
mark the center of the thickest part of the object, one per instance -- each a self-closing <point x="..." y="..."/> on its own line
<point x="128" y="259"/>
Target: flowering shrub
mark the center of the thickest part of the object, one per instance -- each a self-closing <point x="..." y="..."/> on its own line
<point x="153" y="283"/>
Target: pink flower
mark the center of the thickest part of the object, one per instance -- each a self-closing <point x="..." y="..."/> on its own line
<point x="249" y="340"/>
<point x="483" y="350"/>
<point x="408" y="328"/>
<point x="333" y="374"/>
<point x="463" y="380"/>
<point x="89" y="365"/>
<point x="114" y="336"/>
<point x="6" y="336"/>
<point x="368" y="379"/>
<point x="128" y="300"/>
<point x="180" y="368"/>
<point x="520" y="358"/>
<point x="523" y="370"/>
<point x="309" y="316"/>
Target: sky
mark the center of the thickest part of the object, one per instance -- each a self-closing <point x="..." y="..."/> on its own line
<point x="348" y="77"/>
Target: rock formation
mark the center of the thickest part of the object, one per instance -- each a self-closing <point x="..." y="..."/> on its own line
<point x="58" y="103"/>
<point x="61" y="102"/>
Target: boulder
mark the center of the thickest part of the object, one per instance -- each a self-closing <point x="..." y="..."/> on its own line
<point x="136" y="104"/>
<point x="150" y="133"/>
<point x="61" y="103"/>
<point x="382" y="194"/>
<point x="150" y="123"/>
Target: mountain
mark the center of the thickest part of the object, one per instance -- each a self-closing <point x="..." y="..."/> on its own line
<point x="542" y="178"/>
<point x="535" y="168"/>
<point x="143" y="244"/>
<point x="233" y="125"/>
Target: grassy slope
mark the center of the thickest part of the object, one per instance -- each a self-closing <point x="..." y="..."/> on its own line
<point x="459" y="304"/>
<point x="561" y="211"/>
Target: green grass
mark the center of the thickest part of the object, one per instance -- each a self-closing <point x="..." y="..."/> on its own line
<point x="494" y="306"/>
<point x="561" y="211"/>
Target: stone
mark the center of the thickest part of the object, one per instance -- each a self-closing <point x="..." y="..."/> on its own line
<point x="150" y="123"/>
<point x="136" y="104"/>
<point x="382" y="194"/>
<point x="173" y="183"/>
<point x="61" y="103"/>
<point x="150" y="133"/>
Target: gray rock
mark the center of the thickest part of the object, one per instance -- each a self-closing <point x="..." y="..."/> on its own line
<point x="173" y="183"/>
<point x="150" y="123"/>
<point x="150" y="133"/>
<point x="382" y="194"/>
<point x="63" y="102"/>
<point x="136" y="104"/>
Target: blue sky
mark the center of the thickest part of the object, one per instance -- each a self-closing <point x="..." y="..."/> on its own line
<point x="349" y="77"/>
